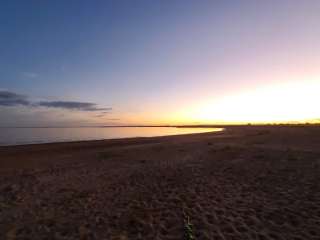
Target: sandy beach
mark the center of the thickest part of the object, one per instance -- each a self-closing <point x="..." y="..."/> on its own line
<point x="249" y="182"/>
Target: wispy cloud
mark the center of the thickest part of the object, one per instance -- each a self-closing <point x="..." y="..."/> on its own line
<point x="30" y="74"/>
<point x="12" y="99"/>
<point x="72" y="105"/>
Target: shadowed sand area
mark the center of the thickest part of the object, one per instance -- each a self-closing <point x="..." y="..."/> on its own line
<point x="242" y="183"/>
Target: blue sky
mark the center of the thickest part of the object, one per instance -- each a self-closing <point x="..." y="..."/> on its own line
<point x="152" y="61"/>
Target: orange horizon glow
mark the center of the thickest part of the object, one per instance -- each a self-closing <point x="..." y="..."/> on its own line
<point x="291" y="102"/>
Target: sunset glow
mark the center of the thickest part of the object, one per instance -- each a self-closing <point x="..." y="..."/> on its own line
<point x="291" y="102"/>
<point x="159" y="62"/>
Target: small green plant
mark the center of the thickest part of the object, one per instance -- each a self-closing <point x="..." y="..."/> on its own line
<point x="188" y="229"/>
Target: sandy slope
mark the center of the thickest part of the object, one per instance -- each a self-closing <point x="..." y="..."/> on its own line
<point x="244" y="183"/>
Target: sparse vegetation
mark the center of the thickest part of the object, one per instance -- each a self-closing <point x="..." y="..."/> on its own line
<point x="188" y="228"/>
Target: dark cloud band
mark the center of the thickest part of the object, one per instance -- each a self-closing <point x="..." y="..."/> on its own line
<point x="11" y="99"/>
<point x="82" y="106"/>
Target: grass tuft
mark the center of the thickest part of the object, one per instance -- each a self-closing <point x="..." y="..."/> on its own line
<point x="188" y="229"/>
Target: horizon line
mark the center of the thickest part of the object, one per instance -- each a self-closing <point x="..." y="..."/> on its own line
<point x="170" y="125"/>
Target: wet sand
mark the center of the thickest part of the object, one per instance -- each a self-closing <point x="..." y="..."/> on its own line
<point x="244" y="183"/>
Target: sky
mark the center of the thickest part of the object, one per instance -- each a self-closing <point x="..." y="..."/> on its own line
<point x="71" y="63"/>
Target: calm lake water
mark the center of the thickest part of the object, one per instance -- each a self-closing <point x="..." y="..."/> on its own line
<point x="17" y="136"/>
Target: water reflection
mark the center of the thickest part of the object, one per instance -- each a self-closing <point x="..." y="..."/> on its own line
<point x="16" y="136"/>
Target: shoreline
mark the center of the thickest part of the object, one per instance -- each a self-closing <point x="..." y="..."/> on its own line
<point x="104" y="139"/>
<point x="221" y="127"/>
<point x="17" y="152"/>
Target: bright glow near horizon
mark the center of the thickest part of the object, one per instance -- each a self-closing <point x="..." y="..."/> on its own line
<point x="272" y="104"/>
